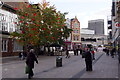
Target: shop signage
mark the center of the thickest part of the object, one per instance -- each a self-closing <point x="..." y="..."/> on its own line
<point x="117" y="25"/>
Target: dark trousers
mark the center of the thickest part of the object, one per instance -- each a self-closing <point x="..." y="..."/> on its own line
<point x="81" y="52"/>
<point x="30" y="73"/>
<point x="112" y="54"/>
<point x="93" y="56"/>
<point x="77" y="52"/>
<point x="74" y="52"/>
<point x="88" y="65"/>
<point x="67" y="55"/>
<point x="107" y="52"/>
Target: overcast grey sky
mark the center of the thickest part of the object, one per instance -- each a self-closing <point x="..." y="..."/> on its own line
<point x="84" y="9"/>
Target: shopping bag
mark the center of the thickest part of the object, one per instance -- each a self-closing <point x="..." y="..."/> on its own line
<point x="27" y="69"/>
<point x="83" y="55"/>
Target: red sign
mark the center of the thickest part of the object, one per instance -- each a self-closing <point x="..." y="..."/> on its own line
<point x="117" y="25"/>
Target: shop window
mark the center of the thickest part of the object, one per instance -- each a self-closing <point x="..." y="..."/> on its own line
<point x="17" y="46"/>
<point x="4" y="45"/>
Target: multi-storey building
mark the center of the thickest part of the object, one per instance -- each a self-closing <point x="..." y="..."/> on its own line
<point x="97" y="26"/>
<point x="68" y="41"/>
<point x="74" y="40"/>
<point x="89" y="38"/>
<point x="116" y="25"/>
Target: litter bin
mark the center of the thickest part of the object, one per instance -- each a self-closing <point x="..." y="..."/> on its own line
<point x="59" y="61"/>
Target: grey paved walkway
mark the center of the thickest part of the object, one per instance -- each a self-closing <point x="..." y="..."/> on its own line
<point x="105" y="67"/>
<point x="74" y="67"/>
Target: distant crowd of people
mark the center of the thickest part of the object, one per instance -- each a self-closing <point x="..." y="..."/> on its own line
<point x="88" y="53"/>
<point x="110" y="51"/>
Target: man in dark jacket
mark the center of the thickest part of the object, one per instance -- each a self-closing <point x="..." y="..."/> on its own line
<point x="88" y="60"/>
<point x="30" y="62"/>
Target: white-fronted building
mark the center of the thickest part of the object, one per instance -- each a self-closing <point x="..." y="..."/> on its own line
<point x="74" y="41"/>
<point x="88" y="37"/>
<point x="9" y="46"/>
<point x="7" y="20"/>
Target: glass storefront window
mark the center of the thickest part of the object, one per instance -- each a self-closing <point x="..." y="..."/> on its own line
<point x="4" y="45"/>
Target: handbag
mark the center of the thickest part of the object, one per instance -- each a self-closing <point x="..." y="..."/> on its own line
<point x="27" y="69"/>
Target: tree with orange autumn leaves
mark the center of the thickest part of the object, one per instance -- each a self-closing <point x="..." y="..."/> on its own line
<point x="40" y="24"/>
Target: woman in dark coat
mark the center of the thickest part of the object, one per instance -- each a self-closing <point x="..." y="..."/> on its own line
<point x="30" y="62"/>
<point x="88" y="60"/>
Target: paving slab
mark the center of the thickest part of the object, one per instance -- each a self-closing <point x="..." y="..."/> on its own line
<point x="73" y="67"/>
<point x="105" y="67"/>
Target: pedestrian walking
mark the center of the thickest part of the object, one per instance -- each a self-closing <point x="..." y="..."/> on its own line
<point x="74" y="51"/>
<point x="67" y="54"/>
<point x="112" y="52"/>
<point x="25" y="54"/>
<point x="107" y="51"/>
<point x="93" y="54"/>
<point x="81" y="51"/>
<point x="77" y="50"/>
<point x="88" y="60"/>
<point x="31" y="58"/>
<point x="21" y="55"/>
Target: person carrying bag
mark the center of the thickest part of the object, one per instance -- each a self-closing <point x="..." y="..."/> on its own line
<point x="27" y="69"/>
<point x="31" y="58"/>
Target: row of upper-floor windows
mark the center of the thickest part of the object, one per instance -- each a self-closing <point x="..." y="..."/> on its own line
<point x="75" y="31"/>
<point x="7" y="22"/>
<point x="8" y="18"/>
<point x="4" y="26"/>
<point x="76" y="38"/>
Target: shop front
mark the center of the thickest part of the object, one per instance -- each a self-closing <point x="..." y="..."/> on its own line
<point x="68" y="45"/>
<point x="76" y="45"/>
